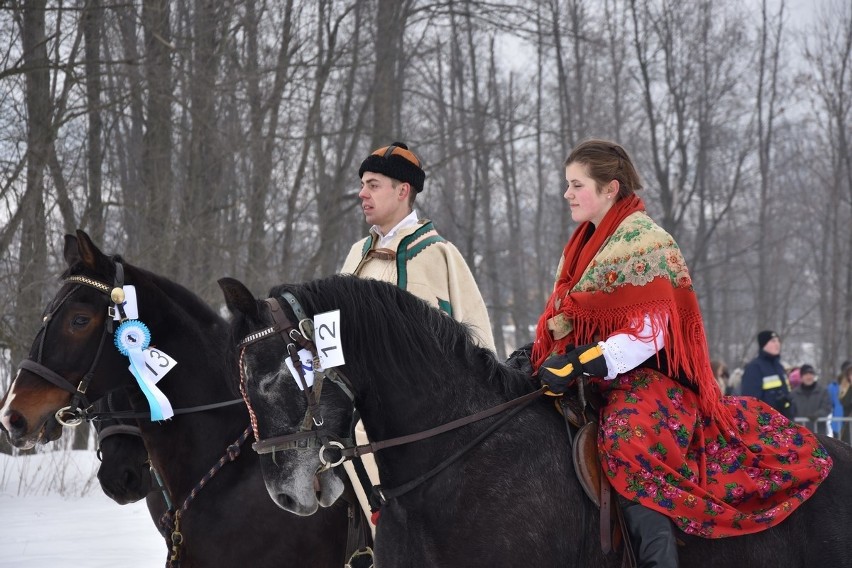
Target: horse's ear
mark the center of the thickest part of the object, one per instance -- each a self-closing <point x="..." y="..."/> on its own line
<point x="80" y="248"/>
<point x="238" y="298"/>
<point x="72" y="255"/>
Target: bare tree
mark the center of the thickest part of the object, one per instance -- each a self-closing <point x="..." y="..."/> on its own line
<point x="767" y="112"/>
<point x="391" y="21"/>
<point x="92" y="25"/>
<point x="153" y="206"/>
<point x="829" y="57"/>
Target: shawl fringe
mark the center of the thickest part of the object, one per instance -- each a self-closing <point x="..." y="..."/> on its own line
<point x="598" y="315"/>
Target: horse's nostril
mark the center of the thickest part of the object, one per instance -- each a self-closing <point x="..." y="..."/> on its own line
<point x="129" y="478"/>
<point x="285" y="501"/>
<point x="16" y="421"/>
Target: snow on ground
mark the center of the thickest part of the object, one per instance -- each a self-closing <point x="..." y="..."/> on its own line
<point x="53" y="513"/>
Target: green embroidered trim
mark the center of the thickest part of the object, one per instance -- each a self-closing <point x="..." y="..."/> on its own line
<point x="446" y="306"/>
<point x="419" y="247"/>
<point x="368" y="244"/>
<point x="402" y="254"/>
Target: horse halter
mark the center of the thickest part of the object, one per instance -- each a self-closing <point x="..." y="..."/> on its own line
<point x="311" y="435"/>
<point x="112" y="426"/>
<point x="73" y="414"/>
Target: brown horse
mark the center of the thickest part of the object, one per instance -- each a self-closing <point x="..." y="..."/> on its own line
<point x="223" y="515"/>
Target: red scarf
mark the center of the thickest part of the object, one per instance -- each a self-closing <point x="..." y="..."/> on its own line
<point x="597" y="315"/>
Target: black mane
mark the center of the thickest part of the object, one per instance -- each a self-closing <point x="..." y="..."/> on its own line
<point x="380" y="318"/>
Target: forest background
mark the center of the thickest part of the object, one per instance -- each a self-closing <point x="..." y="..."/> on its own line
<point x="205" y="138"/>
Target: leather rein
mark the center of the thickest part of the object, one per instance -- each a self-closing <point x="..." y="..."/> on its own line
<point x="312" y="436"/>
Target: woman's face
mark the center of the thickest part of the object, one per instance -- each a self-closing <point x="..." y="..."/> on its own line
<point x="588" y="203"/>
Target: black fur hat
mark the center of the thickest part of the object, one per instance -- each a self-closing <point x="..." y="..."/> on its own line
<point x="398" y="162"/>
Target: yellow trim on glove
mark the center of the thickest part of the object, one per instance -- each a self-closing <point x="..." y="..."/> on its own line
<point x="590" y="354"/>
<point x="562" y="371"/>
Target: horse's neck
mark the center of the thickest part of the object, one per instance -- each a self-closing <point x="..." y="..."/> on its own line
<point x="391" y="408"/>
<point x="196" y="439"/>
<point x="191" y="445"/>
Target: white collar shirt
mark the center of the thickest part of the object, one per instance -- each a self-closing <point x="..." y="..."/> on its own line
<point x="384" y="240"/>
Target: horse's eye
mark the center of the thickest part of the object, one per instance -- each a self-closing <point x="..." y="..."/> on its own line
<point x="80" y="320"/>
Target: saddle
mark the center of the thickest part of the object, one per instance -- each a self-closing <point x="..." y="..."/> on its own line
<point x="579" y="406"/>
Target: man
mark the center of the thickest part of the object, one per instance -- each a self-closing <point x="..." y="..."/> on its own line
<point x="812" y="401"/>
<point x="764" y="377"/>
<point x="409" y="252"/>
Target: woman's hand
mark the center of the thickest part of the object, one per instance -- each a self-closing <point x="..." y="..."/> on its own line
<point x="559" y="371"/>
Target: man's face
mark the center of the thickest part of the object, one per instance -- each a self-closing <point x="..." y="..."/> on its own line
<point x="808" y="379"/>
<point x="383" y="204"/>
<point x="773" y="346"/>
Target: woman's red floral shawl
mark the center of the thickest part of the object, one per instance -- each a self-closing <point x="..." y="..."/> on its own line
<point x="609" y="278"/>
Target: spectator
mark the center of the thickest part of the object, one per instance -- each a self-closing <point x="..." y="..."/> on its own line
<point x="720" y="371"/>
<point x="845" y="396"/>
<point x="794" y="377"/>
<point x="764" y="377"/>
<point x="812" y="401"/>
<point x="836" y="407"/>
<point x="735" y="382"/>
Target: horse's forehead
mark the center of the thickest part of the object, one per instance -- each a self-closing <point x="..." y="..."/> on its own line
<point x="275" y="389"/>
<point x="67" y="345"/>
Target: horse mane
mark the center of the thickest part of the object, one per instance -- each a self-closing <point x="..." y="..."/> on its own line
<point x="438" y="350"/>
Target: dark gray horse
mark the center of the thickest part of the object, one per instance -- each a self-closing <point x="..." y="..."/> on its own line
<point x="511" y="500"/>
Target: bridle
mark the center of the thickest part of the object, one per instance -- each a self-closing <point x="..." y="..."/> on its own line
<point x="73" y="414"/>
<point x="80" y="409"/>
<point x="112" y="426"/>
<point x="311" y="434"/>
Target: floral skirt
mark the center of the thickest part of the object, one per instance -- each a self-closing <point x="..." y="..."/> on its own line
<point x="712" y="481"/>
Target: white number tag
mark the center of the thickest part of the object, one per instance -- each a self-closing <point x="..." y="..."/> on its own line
<point x="157" y="364"/>
<point x="327" y="339"/>
<point x="131" y="307"/>
<point x="307" y="367"/>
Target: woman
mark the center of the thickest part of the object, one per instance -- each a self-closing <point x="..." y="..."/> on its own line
<point x="623" y="311"/>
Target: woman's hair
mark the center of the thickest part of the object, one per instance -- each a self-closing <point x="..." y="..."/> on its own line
<point x="607" y="161"/>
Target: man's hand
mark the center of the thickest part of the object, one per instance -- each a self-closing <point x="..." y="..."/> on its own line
<point x="520" y="359"/>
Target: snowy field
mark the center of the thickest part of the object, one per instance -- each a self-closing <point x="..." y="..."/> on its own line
<point x="53" y="513"/>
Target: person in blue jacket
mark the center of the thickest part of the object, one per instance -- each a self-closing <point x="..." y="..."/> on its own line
<point x="837" y="407"/>
<point x="764" y="377"/>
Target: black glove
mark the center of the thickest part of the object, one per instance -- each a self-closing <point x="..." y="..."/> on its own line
<point x="559" y="371"/>
<point x="520" y="359"/>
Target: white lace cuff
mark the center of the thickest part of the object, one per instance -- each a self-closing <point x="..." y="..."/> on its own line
<point x="625" y="351"/>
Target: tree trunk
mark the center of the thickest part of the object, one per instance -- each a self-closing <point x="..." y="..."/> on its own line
<point x="156" y="236"/>
<point x="32" y="261"/>
<point x="92" y="23"/>
<point x="391" y="20"/>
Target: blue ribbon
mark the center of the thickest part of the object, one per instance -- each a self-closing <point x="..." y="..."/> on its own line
<point x="131" y="338"/>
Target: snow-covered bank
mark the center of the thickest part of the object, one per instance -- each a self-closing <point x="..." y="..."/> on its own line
<point x="53" y="513"/>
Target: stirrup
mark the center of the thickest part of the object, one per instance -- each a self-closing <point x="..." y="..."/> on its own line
<point x="361" y="558"/>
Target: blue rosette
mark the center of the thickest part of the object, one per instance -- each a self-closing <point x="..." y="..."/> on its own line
<point x="130" y="335"/>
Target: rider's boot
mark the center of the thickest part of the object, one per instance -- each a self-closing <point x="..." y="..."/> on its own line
<point x="651" y="536"/>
